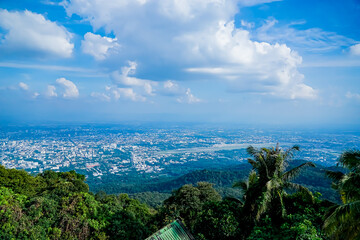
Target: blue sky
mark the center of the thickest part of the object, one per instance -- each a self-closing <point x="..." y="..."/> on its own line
<point x="240" y="61"/>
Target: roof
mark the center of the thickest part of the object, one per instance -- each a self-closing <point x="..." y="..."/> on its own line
<point x="173" y="231"/>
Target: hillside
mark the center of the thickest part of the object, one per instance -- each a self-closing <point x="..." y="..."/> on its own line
<point x="223" y="179"/>
<point x="59" y="205"/>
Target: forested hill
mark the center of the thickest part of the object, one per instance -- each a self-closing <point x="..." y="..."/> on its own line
<point x="223" y="179"/>
<point x="58" y="205"/>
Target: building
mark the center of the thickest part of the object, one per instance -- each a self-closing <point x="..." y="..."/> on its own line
<point x="173" y="231"/>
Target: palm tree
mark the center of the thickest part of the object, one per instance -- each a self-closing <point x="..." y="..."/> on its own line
<point x="343" y="221"/>
<point x="265" y="188"/>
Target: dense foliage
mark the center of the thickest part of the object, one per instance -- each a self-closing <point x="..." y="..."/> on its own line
<point x="223" y="179"/>
<point x="59" y="206"/>
<point x="343" y="221"/>
<point x="272" y="204"/>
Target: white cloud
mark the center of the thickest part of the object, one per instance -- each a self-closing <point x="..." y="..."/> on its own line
<point x="169" y="88"/>
<point x="101" y="96"/>
<point x="256" y="2"/>
<point x="126" y="93"/>
<point x="351" y="95"/>
<point x="69" y="89"/>
<point x="170" y="85"/>
<point x="355" y="49"/>
<point x="23" y="86"/>
<point x="123" y="79"/>
<point x="52" y="3"/>
<point x="247" y="24"/>
<point x="97" y="46"/>
<point x="172" y="88"/>
<point x="35" y="94"/>
<point x="46" y="67"/>
<point x="26" y="90"/>
<point x="311" y="40"/>
<point x="31" y="33"/>
<point x="249" y="65"/>
<point x="196" y="33"/>
<point x="189" y="98"/>
<point x="51" y="91"/>
<point x="128" y="16"/>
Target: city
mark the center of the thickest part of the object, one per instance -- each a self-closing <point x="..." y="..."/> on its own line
<point x="97" y="151"/>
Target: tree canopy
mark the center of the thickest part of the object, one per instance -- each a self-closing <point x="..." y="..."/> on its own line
<point x="59" y="205"/>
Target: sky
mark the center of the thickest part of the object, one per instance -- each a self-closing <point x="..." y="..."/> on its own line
<point x="215" y="61"/>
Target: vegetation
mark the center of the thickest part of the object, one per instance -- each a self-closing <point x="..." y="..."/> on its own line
<point x="312" y="178"/>
<point x="272" y="204"/>
<point x="264" y="190"/>
<point x="343" y="221"/>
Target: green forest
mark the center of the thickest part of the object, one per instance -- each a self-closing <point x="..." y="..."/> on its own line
<point x="276" y="200"/>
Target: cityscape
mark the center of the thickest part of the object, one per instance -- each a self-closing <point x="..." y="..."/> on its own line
<point x="124" y="151"/>
<point x="179" y="119"/>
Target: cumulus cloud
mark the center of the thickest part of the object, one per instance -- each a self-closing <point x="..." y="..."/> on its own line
<point x="123" y="78"/>
<point x="189" y="98"/>
<point x="23" y="86"/>
<point x="195" y="33"/>
<point x="125" y="93"/>
<point x="29" y="32"/>
<point x="172" y="88"/>
<point x="116" y="15"/>
<point x="51" y="91"/>
<point x="355" y="49"/>
<point x="68" y="88"/>
<point x="249" y="65"/>
<point x="97" y="46"/>
<point x="138" y="90"/>
<point x="21" y="90"/>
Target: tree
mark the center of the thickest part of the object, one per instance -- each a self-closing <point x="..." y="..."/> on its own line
<point x="218" y="220"/>
<point x="343" y="221"/>
<point x="187" y="202"/>
<point x="19" y="181"/>
<point x="124" y="225"/>
<point x="265" y="188"/>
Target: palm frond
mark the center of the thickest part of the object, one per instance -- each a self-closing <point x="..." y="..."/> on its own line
<point x="265" y="199"/>
<point x="233" y="199"/>
<point x="252" y="162"/>
<point x="263" y="167"/>
<point x="247" y="185"/>
<point x="289" y="153"/>
<point x="251" y="150"/>
<point x="296" y="147"/>
<point x="350" y="186"/>
<point x="266" y="150"/>
<point x="343" y="221"/>
<point x="253" y="177"/>
<point x="335" y="176"/>
<point x="243" y="185"/>
<point x="351" y="159"/>
<point x="291" y="174"/>
<point x="305" y="191"/>
<point x="282" y="205"/>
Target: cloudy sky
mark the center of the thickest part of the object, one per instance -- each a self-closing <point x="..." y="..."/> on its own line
<point x="240" y="61"/>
